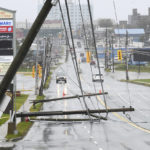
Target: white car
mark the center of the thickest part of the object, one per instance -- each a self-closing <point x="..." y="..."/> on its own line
<point x="97" y="78"/>
<point x="60" y="77"/>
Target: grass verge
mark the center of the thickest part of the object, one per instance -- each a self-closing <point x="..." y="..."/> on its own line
<point x="38" y="106"/>
<point x="22" y="69"/>
<point x="19" y="102"/>
<point x="46" y="86"/>
<point x="132" y="68"/>
<point x="145" y="82"/>
<point x="4" y="118"/>
<point x="23" y="127"/>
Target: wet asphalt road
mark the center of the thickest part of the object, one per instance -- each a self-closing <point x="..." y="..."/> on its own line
<point x="130" y="131"/>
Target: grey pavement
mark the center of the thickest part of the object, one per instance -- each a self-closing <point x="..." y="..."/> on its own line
<point x="25" y="84"/>
<point x="25" y="107"/>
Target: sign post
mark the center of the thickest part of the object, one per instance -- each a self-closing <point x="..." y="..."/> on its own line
<point x="8" y="49"/>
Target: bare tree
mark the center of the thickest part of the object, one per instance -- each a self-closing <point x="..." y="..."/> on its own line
<point x="105" y="22"/>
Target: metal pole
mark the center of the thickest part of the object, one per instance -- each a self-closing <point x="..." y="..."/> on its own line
<point x="24" y="48"/>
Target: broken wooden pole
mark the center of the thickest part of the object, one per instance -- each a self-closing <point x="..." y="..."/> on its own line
<point x="63" y="119"/>
<point x="62" y="98"/>
<point x="83" y="112"/>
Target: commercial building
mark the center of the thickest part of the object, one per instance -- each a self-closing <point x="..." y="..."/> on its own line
<point x="74" y="10"/>
<point x="137" y="20"/>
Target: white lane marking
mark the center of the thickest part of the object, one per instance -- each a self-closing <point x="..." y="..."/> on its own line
<point x="146" y="98"/>
<point x="58" y="90"/>
<point x="65" y="102"/>
<point x="65" y="89"/>
<point x="95" y="142"/>
<point x="92" y="138"/>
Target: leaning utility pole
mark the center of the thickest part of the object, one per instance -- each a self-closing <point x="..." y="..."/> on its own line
<point x="24" y="48"/>
<point x="126" y="46"/>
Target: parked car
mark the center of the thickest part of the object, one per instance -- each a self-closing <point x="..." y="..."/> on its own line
<point x="81" y="54"/>
<point x="97" y="78"/>
<point x="83" y="59"/>
<point x="61" y="78"/>
<point x="92" y="62"/>
<point x="79" y="44"/>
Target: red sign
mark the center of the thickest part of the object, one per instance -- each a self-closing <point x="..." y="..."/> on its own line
<point x="6" y="29"/>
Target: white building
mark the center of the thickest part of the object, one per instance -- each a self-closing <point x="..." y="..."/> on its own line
<point x="74" y="11"/>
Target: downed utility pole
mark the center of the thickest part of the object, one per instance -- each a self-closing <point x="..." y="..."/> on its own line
<point x="62" y="98"/>
<point x="24" y="48"/>
<point x="67" y="119"/>
<point x="83" y="112"/>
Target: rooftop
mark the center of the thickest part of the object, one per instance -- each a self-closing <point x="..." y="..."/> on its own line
<point x="130" y="31"/>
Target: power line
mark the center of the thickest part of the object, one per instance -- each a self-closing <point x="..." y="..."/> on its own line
<point x="84" y="30"/>
<point x="66" y="34"/>
<point x="83" y="24"/>
<point x="76" y="59"/>
<point x="116" y="17"/>
<point x="94" y="40"/>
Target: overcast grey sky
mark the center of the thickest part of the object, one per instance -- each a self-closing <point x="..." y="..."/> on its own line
<point x="27" y="9"/>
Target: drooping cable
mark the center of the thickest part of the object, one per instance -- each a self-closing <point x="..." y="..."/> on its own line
<point x="68" y="45"/>
<point x="75" y="85"/>
<point x="87" y="47"/>
<point x="94" y="40"/>
<point x="68" y="42"/>
<point x="78" y="77"/>
<point x="116" y="17"/>
<point x="83" y="24"/>
<point x="66" y="34"/>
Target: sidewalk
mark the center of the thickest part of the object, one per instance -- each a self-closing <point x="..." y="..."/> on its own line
<point x="25" y="107"/>
<point x="26" y="84"/>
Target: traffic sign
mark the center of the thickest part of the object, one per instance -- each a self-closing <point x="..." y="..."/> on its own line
<point x="119" y="53"/>
<point x="6" y="22"/>
<point x="6" y="29"/>
<point x="88" y="56"/>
